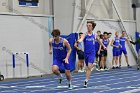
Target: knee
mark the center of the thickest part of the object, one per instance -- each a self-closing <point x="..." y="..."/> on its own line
<point x="54" y="70"/>
<point x="67" y="72"/>
<point x="89" y="67"/>
<point x="126" y="56"/>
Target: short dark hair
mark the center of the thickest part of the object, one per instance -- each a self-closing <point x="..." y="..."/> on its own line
<point x="105" y="33"/>
<point x="109" y="33"/>
<point x="55" y="32"/>
<point x="98" y="31"/>
<point x="93" y="23"/>
<point x="80" y="33"/>
<point x="123" y="31"/>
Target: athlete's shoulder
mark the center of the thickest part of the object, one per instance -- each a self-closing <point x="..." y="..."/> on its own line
<point x="65" y="40"/>
<point x="51" y="40"/>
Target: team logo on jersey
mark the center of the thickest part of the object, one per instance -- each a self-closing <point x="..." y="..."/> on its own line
<point x="59" y="48"/>
<point x="122" y="39"/>
<point x="117" y="41"/>
<point x="90" y="39"/>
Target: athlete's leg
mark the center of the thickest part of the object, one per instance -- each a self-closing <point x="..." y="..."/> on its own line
<point x="102" y="63"/>
<point x="126" y="57"/>
<point x="113" y="60"/>
<point x="55" y="70"/>
<point x="89" y="63"/>
<point x="120" y="59"/>
<point x="68" y="75"/>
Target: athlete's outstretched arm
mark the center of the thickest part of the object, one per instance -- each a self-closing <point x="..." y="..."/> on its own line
<point x="136" y="42"/>
<point x="98" y="39"/>
<point x="82" y="38"/>
<point x="112" y="43"/>
<point x="66" y="43"/>
<point x="50" y="45"/>
<point x="99" y="48"/>
<point x="76" y="45"/>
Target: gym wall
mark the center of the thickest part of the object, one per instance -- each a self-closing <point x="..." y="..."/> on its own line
<point x="25" y="34"/>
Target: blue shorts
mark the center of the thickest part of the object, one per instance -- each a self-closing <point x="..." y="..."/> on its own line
<point x="89" y="58"/>
<point x="123" y="51"/>
<point x="116" y="52"/>
<point x="59" y="63"/>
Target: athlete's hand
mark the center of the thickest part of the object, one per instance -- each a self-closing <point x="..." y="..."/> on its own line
<point x="80" y="49"/>
<point x="66" y="61"/>
<point x="117" y="46"/>
<point x="105" y="48"/>
<point x="50" y="52"/>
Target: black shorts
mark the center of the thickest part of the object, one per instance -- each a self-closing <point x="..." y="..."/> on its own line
<point x="103" y="53"/>
<point x="80" y="55"/>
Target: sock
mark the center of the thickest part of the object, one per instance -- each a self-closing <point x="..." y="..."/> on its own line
<point x="69" y="82"/>
<point x="86" y="80"/>
<point x="60" y="76"/>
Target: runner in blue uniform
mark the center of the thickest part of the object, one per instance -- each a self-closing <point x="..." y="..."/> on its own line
<point x="103" y="52"/>
<point x="61" y="52"/>
<point x="97" y="45"/>
<point x="116" y="50"/>
<point x="123" y="39"/>
<point x="89" y="48"/>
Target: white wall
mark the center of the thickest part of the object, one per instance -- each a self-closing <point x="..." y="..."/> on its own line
<point x="20" y="34"/>
<point x="103" y="9"/>
<point x="125" y="9"/>
<point x="43" y="8"/>
<point x="3" y="4"/>
<point x="138" y="19"/>
<point x="63" y="12"/>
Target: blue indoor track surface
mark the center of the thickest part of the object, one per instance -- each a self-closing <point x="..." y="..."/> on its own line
<point x="124" y="80"/>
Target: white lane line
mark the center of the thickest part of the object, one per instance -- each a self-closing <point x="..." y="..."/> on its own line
<point x="79" y="84"/>
<point x="132" y="91"/>
<point x="79" y="76"/>
<point x="104" y="84"/>
<point x="79" y="79"/>
<point x="75" y="75"/>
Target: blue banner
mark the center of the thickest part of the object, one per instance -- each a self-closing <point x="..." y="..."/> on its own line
<point x="137" y="45"/>
<point x="28" y="3"/>
<point x="72" y="59"/>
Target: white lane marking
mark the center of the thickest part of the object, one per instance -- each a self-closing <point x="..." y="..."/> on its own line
<point x="79" y="78"/>
<point x="132" y="91"/>
<point x="104" y="84"/>
<point x="41" y="86"/>
<point x="98" y="73"/>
